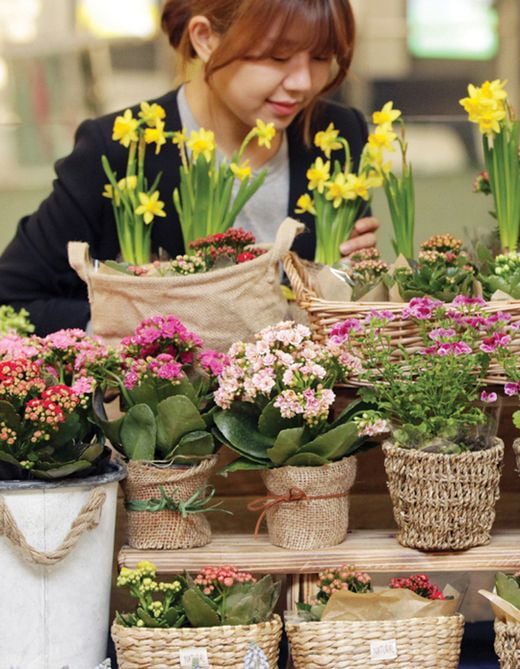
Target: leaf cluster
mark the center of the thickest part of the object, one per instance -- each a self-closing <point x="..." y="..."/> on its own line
<point x="438" y="280"/>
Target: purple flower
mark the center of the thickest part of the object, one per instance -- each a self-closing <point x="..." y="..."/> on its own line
<point x="421" y="308"/>
<point x="467" y="301"/>
<point x="342" y="330"/>
<point x="213" y="362"/>
<point x="439" y="333"/>
<point x="488" y="397"/>
<point x="497" y="340"/>
<point x="511" y="388"/>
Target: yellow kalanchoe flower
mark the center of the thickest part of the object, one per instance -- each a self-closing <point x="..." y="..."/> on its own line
<point x="150" y="207"/>
<point x="125" y="129"/>
<point x="265" y="133"/>
<point x="202" y="142"/>
<point x="151" y="113"/>
<point x="327" y="141"/>
<point x="382" y="138"/>
<point x="318" y="174"/>
<point x="156" y="135"/>
<point x="242" y="171"/>
<point x="387" y="115"/>
<point x="304" y="205"/>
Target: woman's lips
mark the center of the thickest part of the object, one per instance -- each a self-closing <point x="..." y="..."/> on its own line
<point x="283" y="108"/>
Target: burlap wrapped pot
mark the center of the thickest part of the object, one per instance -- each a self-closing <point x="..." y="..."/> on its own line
<point x="516" y="448"/>
<point x="425" y="643"/>
<point x="307" y="507"/>
<point x="226" y="646"/>
<point x="166" y="529"/>
<point x="443" y="502"/>
<point x="507" y="644"/>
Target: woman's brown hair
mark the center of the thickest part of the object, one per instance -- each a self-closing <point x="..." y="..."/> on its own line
<point x="328" y="29"/>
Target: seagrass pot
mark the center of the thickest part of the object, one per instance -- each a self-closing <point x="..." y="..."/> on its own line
<point x="428" y="643"/>
<point x="166" y="529"/>
<point x="310" y="505"/>
<point x="443" y="502"/>
<point x="507" y="644"/>
<point x="516" y="448"/>
<point x="226" y="646"/>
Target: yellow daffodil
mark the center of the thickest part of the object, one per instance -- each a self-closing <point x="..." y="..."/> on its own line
<point x="387" y="115"/>
<point x="265" y="133"/>
<point x="358" y="185"/>
<point x="338" y="190"/>
<point x="373" y="157"/>
<point x="202" y="142"/>
<point x="318" y="174"/>
<point x="108" y="192"/>
<point x="242" y="171"/>
<point x="304" y="205"/>
<point x="128" y="183"/>
<point x="156" y="135"/>
<point x="150" y="206"/>
<point x="486" y="105"/>
<point x="125" y="129"/>
<point x="179" y="137"/>
<point x="151" y="114"/>
<point x="326" y="140"/>
<point x="382" y="138"/>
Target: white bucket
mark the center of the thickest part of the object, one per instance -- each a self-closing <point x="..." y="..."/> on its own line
<point x="57" y="616"/>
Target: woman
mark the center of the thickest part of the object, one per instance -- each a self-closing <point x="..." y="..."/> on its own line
<point x="268" y="59"/>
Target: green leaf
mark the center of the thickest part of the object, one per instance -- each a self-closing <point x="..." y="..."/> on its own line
<point x="198" y="443"/>
<point x="516" y="419"/>
<point x="199" y="611"/>
<point x="271" y="423"/>
<point x="335" y="443"/>
<point x="9" y="415"/>
<point x="7" y="457"/>
<point x="139" y="432"/>
<point x="184" y="387"/>
<point x="148" y="620"/>
<point x="306" y="460"/>
<point x="287" y="444"/>
<point x="244" y="464"/>
<point x="93" y="451"/>
<point x="69" y="430"/>
<point x="111" y="428"/>
<point x="61" y="471"/>
<point x="176" y="416"/>
<point x="239" y="429"/>
<point x="353" y="409"/>
<point x="145" y="393"/>
<point x="508" y="589"/>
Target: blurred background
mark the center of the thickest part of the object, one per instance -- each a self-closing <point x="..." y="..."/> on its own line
<point x="65" y="60"/>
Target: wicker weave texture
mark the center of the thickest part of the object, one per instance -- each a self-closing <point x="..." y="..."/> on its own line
<point x="516" y="448"/>
<point x="420" y="643"/>
<point x="507" y="644"/>
<point x="166" y="529"/>
<point x="324" y="314"/>
<point x="443" y="502"/>
<point x="155" y="648"/>
<point x="310" y="523"/>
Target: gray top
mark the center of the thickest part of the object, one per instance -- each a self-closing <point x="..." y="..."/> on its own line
<point x="264" y="212"/>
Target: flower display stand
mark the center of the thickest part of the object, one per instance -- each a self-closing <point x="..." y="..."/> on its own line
<point x="376" y="550"/>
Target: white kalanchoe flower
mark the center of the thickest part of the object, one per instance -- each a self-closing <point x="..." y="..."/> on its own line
<point x="255" y="658"/>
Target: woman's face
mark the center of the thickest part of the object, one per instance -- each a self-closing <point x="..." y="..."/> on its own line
<point x="273" y="89"/>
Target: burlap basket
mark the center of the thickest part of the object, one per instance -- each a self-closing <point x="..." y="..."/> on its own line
<point x="297" y="521"/>
<point x="166" y="529"/>
<point x="516" y="448"/>
<point x="419" y="643"/>
<point x="507" y="644"/>
<point x="222" y="306"/>
<point x="443" y="502"/>
<point x="325" y="314"/>
<point x="226" y="646"/>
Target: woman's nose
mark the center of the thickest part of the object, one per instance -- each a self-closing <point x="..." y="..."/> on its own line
<point x="299" y="74"/>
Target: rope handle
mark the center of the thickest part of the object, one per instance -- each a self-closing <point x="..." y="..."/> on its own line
<point x="80" y="260"/>
<point x="285" y="235"/>
<point x="87" y="519"/>
<point x="263" y="504"/>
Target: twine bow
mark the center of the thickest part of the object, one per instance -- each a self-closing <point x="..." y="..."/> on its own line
<point x="264" y="504"/>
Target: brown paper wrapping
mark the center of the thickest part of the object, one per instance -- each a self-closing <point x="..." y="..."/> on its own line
<point x="388" y="604"/>
<point x="503" y="610"/>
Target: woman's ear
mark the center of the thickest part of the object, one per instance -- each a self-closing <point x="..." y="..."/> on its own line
<point x="203" y="39"/>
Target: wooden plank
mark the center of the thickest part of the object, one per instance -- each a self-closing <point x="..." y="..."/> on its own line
<point x="370" y="550"/>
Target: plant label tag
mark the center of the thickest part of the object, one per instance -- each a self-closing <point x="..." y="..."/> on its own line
<point x="386" y="649"/>
<point x="194" y="658"/>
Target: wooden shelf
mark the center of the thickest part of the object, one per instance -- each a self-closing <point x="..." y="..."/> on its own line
<point x="370" y="550"/>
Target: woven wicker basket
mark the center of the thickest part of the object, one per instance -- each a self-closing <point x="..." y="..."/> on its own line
<point x="324" y="314"/>
<point x="226" y="646"/>
<point x="443" y="502"/>
<point x="516" y="448"/>
<point x="507" y="644"/>
<point x="419" y="642"/>
<point x="307" y="524"/>
<point x="166" y="529"/>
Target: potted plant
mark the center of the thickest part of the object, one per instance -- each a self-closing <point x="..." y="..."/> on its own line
<point x="165" y="382"/>
<point x="58" y="495"/>
<point x="207" y="203"/>
<point x="275" y="397"/>
<point x="505" y="602"/>
<point x="209" y="620"/>
<point x="409" y="622"/>
<point x="443" y="462"/>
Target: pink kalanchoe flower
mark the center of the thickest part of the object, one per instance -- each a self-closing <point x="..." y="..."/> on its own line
<point x="213" y="362"/>
<point x="488" y="397"/>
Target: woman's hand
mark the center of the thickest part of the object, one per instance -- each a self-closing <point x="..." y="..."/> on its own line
<point x="362" y="237"/>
